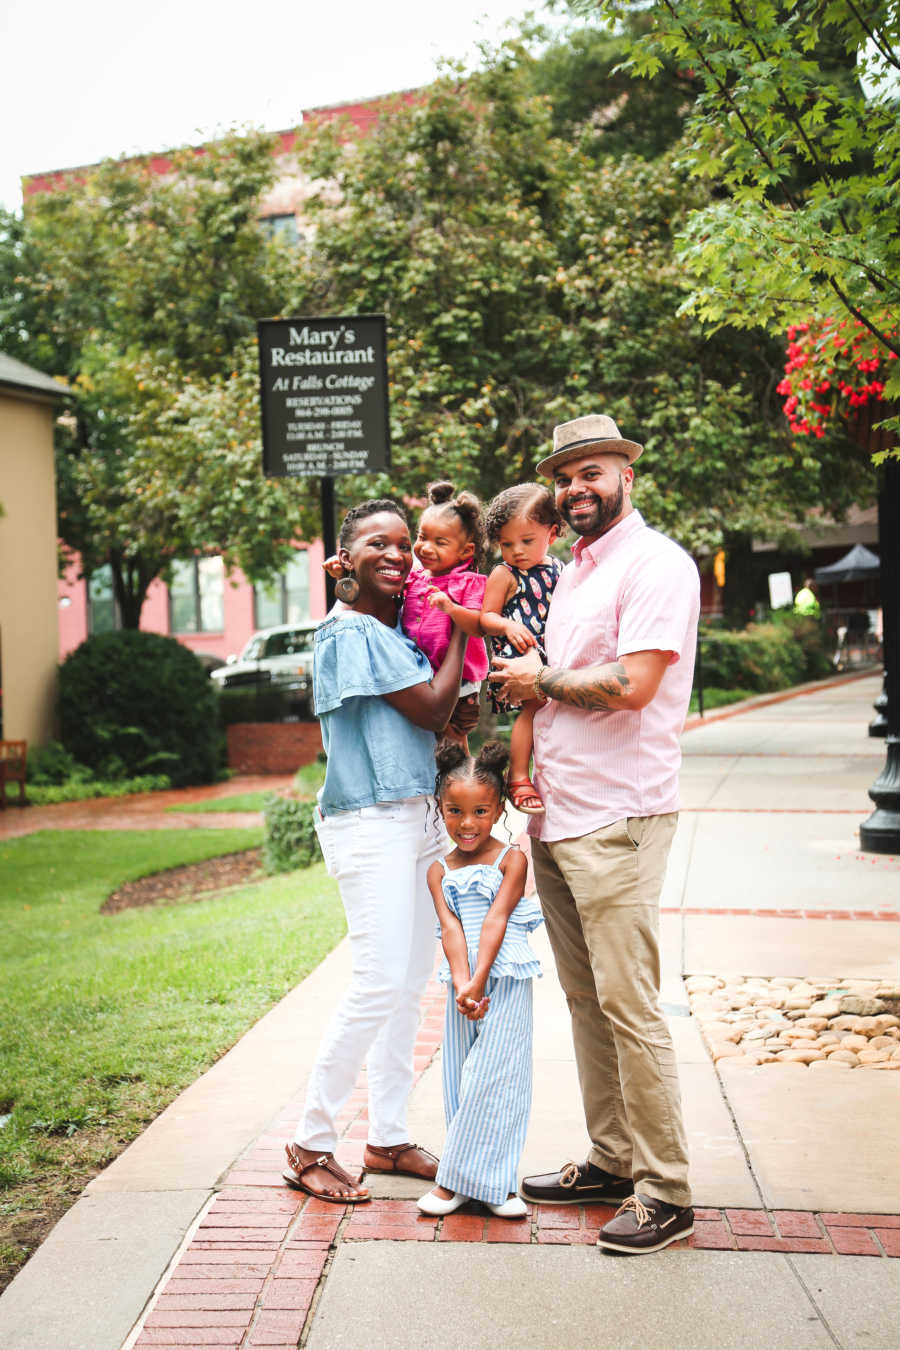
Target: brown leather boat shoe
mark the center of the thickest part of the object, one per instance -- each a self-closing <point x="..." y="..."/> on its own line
<point x="645" y="1224"/>
<point x="577" y="1184"/>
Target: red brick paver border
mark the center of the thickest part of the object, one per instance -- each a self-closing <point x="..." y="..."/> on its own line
<point x="233" y="1287"/>
<point x="145" y="810"/>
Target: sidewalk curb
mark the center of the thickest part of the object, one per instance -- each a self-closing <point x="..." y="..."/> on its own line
<point x="695" y="721"/>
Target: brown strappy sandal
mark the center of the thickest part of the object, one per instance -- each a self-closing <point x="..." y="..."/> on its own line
<point x="297" y="1169"/>
<point x="404" y="1159"/>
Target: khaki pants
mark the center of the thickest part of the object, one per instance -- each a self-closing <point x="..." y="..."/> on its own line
<point x="600" y="897"/>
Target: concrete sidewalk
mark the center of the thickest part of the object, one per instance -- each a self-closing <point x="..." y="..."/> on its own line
<point x="190" y="1240"/>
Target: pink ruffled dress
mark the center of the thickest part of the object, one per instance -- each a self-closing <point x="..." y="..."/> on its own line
<point x="430" y="629"/>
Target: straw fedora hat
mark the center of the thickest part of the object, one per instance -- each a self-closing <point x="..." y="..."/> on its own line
<point x="571" y="440"/>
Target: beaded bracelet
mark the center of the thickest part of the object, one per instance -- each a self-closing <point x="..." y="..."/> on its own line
<point x="538" y="681"/>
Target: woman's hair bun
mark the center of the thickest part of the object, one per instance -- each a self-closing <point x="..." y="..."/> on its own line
<point x="438" y="493"/>
<point x="494" y="755"/>
<point x="448" y="756"/>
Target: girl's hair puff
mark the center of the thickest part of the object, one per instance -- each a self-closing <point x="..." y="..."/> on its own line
<point x="373" y="507"/>
<point x="468" y="510"/>
<point x="488" y="766"/>
<point x="534" y="501"/>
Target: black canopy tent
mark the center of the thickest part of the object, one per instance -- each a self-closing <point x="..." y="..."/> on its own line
<point x="857" y="565"/>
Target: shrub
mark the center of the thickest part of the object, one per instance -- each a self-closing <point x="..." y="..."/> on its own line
<point x="810" y="633"/>
<point x="290" y="840"/>
<point x="761" y="657"/>
<point x="310" y="777"/>
<point x="135" y="703"/>
<point x="52" y="763"/>
<point x="80" y="789"/>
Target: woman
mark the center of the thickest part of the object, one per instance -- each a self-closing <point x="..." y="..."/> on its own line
<point x="379" y="707"/>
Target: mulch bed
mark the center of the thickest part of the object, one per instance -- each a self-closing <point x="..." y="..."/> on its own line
<point x="188" y="882"/>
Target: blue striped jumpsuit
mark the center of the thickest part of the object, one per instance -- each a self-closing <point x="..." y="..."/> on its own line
<point x="486" y="1065"/>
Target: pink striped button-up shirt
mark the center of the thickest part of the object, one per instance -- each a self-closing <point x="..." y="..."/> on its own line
<point x="632" y="590"/>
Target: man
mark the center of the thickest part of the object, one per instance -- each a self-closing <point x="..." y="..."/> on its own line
<point x="806" y="601"/>
<point x="620" y="640"/>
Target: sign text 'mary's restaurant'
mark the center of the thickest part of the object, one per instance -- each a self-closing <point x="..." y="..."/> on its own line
<point x="323" y="391"/>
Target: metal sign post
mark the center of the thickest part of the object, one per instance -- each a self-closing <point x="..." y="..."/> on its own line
<point x="329" y="539"/>
<point x="324" y="401"/>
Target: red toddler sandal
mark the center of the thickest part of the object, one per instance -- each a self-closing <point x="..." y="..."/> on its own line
<point x="525" y="797"/>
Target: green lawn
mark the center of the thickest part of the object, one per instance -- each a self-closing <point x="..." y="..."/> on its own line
<point x="717" y="698"/>
<point x="106" y="1018"/>
<point x="307" y="781"/>
<point x="238" y="801"/>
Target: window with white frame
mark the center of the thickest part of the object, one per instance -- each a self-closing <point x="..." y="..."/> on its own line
<point x="285" y="599"/>
<point x="282" y="227"/>
<point x="103" y="612"/>
<point x="197" y="596"/>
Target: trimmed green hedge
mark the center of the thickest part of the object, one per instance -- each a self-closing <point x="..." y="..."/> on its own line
<point x="809" y="632"/>
<point x="790" y="649"/>
<point x="252" y="705"/>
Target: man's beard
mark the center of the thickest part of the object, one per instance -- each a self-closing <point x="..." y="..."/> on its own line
<point x="606" y="511"/>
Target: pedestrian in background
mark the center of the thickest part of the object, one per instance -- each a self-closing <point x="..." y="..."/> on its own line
<point x="806" y="601"/>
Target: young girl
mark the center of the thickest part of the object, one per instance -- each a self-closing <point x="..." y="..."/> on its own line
<point x="522" y="522"/>
<point x="450" y="548"/>
<point x="477" y="892"/>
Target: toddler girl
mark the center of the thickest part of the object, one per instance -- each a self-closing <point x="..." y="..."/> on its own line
<point x="477" y="892"/>
<point x="522" y="522"/>
<point x="449" y="546"/>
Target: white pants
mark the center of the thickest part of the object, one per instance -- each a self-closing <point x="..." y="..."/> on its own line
<point x="379" y="856"/>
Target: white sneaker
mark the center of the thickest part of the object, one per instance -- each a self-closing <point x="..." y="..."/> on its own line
<point x="434" y="1205"/>
<point x="513" y="1208"/>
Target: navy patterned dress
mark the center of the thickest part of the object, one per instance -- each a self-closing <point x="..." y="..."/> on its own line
<point x="527" y="605"/>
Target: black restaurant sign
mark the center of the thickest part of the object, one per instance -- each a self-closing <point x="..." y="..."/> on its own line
<point x="323" y="390"/>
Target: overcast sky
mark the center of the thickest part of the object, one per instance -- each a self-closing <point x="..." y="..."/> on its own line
<point x="82" y="81"/>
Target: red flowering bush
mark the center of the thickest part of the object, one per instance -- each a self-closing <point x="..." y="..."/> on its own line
<point x="833" y="367"/>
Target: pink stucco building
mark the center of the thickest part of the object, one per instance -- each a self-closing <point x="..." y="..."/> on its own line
<point x="212" y="612"/>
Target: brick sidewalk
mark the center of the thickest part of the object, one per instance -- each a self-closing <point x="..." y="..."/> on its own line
<point x="144" y="810"/>
<point x="253" y="1269"/>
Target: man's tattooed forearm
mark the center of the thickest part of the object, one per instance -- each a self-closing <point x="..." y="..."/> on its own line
<point x="595" y="687"/>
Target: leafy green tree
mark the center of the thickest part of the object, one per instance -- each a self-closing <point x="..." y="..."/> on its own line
<point x="141" y="287"/>
<point x="527" y="281"/>
<point x="798" y="128"/>
<point x="581" y="72"/>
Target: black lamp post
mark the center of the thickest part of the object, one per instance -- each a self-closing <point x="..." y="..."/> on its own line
<point x="878" y="724"/>
<point x="881" y="832"/>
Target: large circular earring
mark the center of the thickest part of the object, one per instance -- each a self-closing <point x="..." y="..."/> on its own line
<point x="347" y="589"/>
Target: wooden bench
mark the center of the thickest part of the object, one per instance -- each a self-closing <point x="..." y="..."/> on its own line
<point x="12" y="768"/>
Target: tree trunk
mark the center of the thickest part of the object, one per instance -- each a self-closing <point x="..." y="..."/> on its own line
<point x="131" y="579"/>
<point x="739" y="594"/>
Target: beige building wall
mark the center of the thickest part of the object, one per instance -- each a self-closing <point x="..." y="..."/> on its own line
<point x="28" y="603"/>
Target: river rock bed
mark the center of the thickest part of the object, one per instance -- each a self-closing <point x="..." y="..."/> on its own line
<point x="825" y="1024"/>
